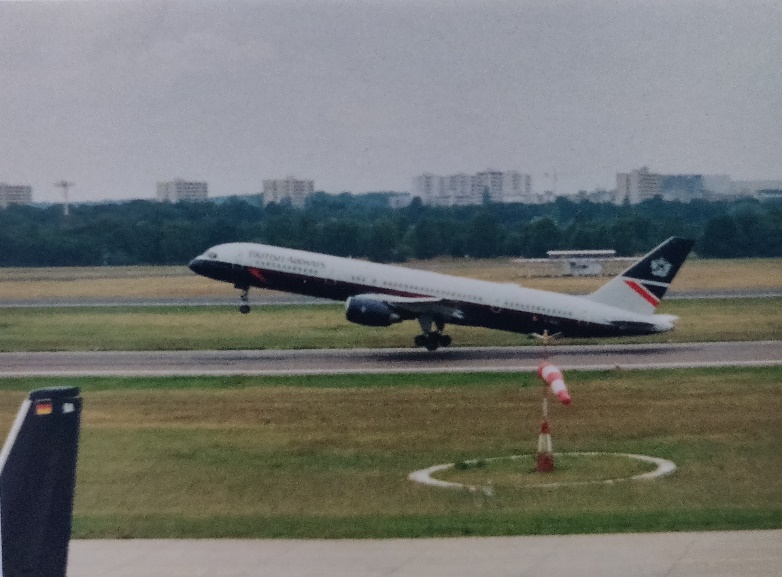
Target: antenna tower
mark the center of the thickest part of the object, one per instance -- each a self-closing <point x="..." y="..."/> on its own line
<point x="64" y="185"/>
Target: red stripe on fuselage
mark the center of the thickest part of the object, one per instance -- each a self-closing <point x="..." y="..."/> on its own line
<point x="257" y="274"/>
<point x="653" y="300"/>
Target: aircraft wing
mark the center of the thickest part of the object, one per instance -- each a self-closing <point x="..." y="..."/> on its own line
<point x="413" y="307"/>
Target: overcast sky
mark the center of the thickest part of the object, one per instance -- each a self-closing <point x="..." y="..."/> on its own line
<point x="362" y="96"/>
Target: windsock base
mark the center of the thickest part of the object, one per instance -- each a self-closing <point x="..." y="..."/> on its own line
<point x="544" y="462"/>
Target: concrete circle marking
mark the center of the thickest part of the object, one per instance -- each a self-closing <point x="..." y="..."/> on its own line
<point x="664" y="467"/>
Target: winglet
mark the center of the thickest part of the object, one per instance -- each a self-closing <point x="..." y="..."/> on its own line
<point x="641" y="287"/>
<point x="37" y="478"/>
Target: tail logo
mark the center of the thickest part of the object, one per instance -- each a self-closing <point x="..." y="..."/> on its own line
<point x="660" y="267"/>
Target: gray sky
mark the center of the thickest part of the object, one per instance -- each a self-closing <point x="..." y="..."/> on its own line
<point x="363" y="96"/>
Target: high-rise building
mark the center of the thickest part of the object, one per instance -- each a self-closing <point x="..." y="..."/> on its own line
<point x="517" y="187"/>
<point x="182" y="190"/>
<point x="458" y="188"/>
<point x="15" y="194"/>
<point x="427" y="187"/>
<point x="464" y="189"/>
<point x="636" y="186"/>
<point x="290" y="189"/>
<point x="639" y="185"/>
<point x="488" y="182"/>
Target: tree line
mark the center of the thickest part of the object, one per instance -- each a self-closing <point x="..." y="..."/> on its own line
<point x="144" y="232"/>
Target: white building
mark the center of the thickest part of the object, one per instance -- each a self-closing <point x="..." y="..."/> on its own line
<point x="637" y="186"/>
<point x="15" y="194"/>
<point x="182" y="190"/>
<point x="517" y="187"/>
<point x="290" y="188"/>
<point x="464" y="189"/>
<point x="457" y="190"/>
<point x="488" y="182"/>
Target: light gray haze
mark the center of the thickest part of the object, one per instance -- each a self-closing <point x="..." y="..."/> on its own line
<point x="363" y="96"/>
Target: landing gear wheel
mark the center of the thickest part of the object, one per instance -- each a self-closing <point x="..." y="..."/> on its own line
<point x="432" y="342"/>
<point x="244" y="308"/>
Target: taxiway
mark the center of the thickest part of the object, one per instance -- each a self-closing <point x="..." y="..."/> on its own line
<point x="711" y="554"/>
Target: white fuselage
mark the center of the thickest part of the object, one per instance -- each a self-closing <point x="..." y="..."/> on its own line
<point x="336" y="277"/>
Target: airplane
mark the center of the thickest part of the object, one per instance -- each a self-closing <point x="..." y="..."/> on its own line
<point x="379" y="295"/>
<point x="37" y="478"/>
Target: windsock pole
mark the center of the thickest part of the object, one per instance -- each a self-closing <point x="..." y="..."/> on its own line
<point x="544" y="460"/>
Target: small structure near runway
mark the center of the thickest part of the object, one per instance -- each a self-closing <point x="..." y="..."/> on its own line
<point x="581" y="262"/>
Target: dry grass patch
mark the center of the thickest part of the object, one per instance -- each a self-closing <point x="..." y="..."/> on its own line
<point x="179" y="282"/>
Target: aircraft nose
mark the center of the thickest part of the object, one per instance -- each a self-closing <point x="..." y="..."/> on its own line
<point x="197" y="265"/>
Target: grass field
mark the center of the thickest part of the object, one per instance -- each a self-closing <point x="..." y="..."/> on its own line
<point x="179" y="282"/>
<point x="329" y="456"/>
<point x="323" y="326"/>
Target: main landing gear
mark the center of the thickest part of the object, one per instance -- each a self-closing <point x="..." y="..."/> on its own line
<point x="244" y="308"/>
<point x="430" y="339"/>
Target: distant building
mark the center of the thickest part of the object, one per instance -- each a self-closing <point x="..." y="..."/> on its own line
<point x="517" y="187"/>
<point x="399" y="199"/>
<point x="769" y="194"/>
<point x="597" y="196"/>
<point x="182" y="190"/>
<point x="465" y="189"/>
<point x="681" y="187"/>
<point x="427" y="187"/>
<point x="384" y="199"/>
<point x="487" y="184"/>
<point x="637" y="186"/>
<point x="752" y="187"/>
<point x="291" y="189"/>
<point x="718" y="184"/>
<point x="15" y="194"/>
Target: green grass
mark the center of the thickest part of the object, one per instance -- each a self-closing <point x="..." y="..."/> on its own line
<point x="303" y="327"/>
<point x="328" y="456"/>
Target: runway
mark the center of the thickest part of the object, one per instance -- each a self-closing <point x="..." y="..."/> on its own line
<point x="713" y="554"/>
<point x="369" y="361"/>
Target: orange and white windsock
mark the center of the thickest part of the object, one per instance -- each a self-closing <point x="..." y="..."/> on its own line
<point x="553" y="376"/>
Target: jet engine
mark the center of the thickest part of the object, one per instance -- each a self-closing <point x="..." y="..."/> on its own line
<point x="370" y="312"/>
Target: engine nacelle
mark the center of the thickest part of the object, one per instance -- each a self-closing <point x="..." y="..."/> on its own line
<point x="370" y="312"/>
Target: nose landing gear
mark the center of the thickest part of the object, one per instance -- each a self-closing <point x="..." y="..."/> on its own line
<point x="244" y="308"/>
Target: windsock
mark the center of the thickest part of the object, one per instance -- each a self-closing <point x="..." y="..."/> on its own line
<point x="553" y="376"/>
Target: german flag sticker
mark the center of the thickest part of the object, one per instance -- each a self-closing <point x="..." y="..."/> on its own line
<point x="43" y="408"/>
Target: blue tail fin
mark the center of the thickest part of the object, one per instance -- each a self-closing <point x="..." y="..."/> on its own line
<point x="37" y="477"/>
<point x="641" y="287"/>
